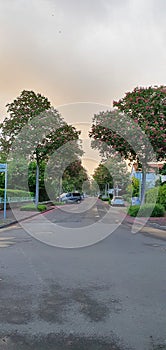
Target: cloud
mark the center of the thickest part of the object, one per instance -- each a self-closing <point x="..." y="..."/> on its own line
<point x="81" y="51"/>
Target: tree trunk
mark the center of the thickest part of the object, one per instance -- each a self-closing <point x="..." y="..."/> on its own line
<point x="37" y="185"/>
<point x="105" y="189"/>
<point x="60" y="187"/>
<point x="143" y="185"/>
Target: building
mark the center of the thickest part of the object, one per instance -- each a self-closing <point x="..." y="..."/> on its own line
<point x="151" y="176"/>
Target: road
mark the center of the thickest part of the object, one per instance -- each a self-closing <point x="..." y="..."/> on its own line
<point x="109" y="295"/>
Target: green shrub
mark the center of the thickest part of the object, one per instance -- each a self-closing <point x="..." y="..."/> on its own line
<point x="147" y="210"/>
<point x="28" y="207"/>
<point x="133" y="210"/>
<point x="162" y="195"/>
<point x="105" y="199"/>
<point x="32" y="207"/>
<point x="58" y="203"/>
<point x="41" y="207"/>
<point x="152" y="195"/>
<point x="156" y="195"/>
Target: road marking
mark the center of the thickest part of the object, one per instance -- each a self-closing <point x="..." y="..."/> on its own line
<point x="5" y="238"/>
<point x="6" y="242"/>
<point x="12" y="227"/>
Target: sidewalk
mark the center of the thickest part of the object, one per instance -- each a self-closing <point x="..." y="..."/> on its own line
<point x="16" y="215"/>
<point x="12" y="219"/>
<point x="159" y="223"/>
<point x="153" y="227"/>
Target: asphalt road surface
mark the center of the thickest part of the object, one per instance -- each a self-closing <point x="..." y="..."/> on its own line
<point x="110" y="295"/>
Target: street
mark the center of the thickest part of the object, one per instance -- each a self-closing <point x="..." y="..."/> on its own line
<point x="107" y="294"/>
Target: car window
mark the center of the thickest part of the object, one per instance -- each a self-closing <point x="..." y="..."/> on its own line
<point x="118" y="201"/>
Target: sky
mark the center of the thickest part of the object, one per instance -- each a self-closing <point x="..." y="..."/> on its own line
<point x="81" y="55"/>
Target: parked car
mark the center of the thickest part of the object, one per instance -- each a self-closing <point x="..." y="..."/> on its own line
<point x="71" y="197"/>
<point x="118" y="201"/>
<point x="103" y="197"/>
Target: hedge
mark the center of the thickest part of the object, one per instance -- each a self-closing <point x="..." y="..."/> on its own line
<point x="105" y="199"/>
<point x="147" y="210"/>
<point x="15" y="193"/>
<point x="32" y="207"/>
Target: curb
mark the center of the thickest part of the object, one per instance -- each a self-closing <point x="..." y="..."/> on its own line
<point x="29" y="217"/>
<point x="150" y="229"/>
<point x="148" y="224"/>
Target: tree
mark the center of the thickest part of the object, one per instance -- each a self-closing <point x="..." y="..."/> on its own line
<point x="34" y="130"/>
<point x="119" y="172"/>
<point x="24" y="108"/>
<point x="135" y="129"/>
<point x="112" y="173"/>
<point x="94" y="188"/>
<point x="102" y="177"/>
<point x="74" y="176"/>
<point x="162" y="171"/>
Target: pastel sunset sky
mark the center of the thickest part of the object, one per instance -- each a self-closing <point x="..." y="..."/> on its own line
<point x="82" y="55"/>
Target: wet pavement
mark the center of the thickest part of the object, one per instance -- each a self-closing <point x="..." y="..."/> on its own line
<point x="108" y="296"/>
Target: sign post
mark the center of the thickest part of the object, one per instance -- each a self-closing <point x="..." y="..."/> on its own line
<point x="3" y="169"/>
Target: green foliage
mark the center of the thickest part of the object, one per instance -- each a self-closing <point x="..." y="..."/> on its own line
<point x="2" y="180"/>
<point x="15" y="193"/>
<point x="45" y="131"/>
<point x="59" y="203"/>
<point x="135" y="187"/>
<point x="120" y="130"/>
<point x="113" y="171"/>
<point x="102" y="176"/>
<point x="32" y="207"/>
<point x="157" y="195"/>
<point x="43" y="196"/>
<point x="74" y="176"/>
<point x="16" y="174"/>
<point x="162" y="195"/>
<point x="118" y="171"/>
<point x="94" y="188"/>
<point x="24" y="108"/>
<point x="158" y="183"/>
<point x="147" y="210"/>
<point x="41" y="207"/>
<point x="147" y="107"/>
<point x="152" y="195"/>
<point x="28" y="207"/>
<point x="107" y="199"/>
<point x="132" y="190"/>
<point x="133" y="210"/>
<point x="163" y="170"/>
<point x="2" y="175"/>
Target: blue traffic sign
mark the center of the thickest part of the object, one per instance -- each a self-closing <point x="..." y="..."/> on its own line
<point x="3" y="169"/>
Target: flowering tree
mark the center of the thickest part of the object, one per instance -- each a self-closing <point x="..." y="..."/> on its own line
<point x="135" y="129"/>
